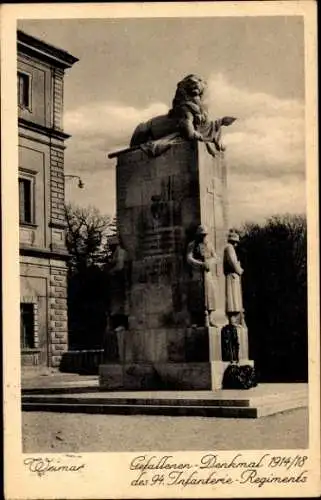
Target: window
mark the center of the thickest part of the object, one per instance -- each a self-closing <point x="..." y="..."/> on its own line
<point x="24" y="90"/>
<point x="27" y="326"/>
<point x="26" y="212"/>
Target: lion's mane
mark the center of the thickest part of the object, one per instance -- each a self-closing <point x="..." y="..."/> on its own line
<point x="189" y="96"/>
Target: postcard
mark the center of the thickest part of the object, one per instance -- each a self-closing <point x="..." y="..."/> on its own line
<point x="160" y="250"/>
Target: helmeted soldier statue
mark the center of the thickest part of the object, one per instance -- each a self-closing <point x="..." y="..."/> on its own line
<point x="202" y="257"/>
<point x="233" y="272"/>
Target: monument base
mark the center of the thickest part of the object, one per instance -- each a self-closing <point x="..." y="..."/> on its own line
<point x="156" y="376"/>
<point x="164" y="376"/>
<point x="168" y="359"/>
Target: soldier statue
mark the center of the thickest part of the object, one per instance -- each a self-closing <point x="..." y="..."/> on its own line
<point x="201" y="257"/>
<point x="118" y="283"/>
<point x="233" y="272"/>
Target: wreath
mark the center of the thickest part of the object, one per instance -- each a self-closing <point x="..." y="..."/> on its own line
<point x="239" y="377"/>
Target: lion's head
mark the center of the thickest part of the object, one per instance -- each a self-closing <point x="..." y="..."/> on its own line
<point x="190" y="89"/>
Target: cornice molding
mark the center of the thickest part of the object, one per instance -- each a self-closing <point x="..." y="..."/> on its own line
<point x="49" y="132"/>
<point x="44" y="51"/>
<point x="44" y="252"/>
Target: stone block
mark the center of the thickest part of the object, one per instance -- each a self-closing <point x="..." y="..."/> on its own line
<point x="58" y="348"/>
<point x="61" y="323"/>
<point x="155" y="376"/>
<point x="60" y="301"/>
<point x="140" y="376"/>
<point x="184" y="376"/>
<point x="215" y="344"/>
<point x="243" y="341"/>
<point x="59" y="278"/>
<point x="59" y="335"/>
<point x="134" y="346"/>
<point x="152" y="322"/>
<point x="111" y="377"/>
<point x="145" y="345"/>
<point x="155" y="348"/>
<point x="136" y="322"/>
<point x="127" y="222"/>
<point x="120" y="338"/>
<point x="60" y="307"/>
<point x="158" y="299"/>
<point x="60" y="329"/>
<point x="138" y="299"/>
<point x="58" y="313"/>
<point x="56" y="339"/>
<point x="197" y="345"/>
<point x="176" y="345"/>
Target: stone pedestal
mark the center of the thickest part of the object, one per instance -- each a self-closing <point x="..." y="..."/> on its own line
<point x="160" y="202"/>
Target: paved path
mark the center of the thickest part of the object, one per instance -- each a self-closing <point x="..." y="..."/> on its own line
<point x="32" y="378"/>
<point x="61" y="432"/>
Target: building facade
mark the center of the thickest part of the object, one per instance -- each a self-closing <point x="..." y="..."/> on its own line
<point x="43" y="254"/>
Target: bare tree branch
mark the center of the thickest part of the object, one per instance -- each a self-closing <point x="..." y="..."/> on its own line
<point x="87" y="233"/>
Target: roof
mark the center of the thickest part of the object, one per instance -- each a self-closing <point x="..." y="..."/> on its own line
<point x="30" y="45"/>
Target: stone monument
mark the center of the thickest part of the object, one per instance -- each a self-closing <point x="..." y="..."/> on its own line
<point x="171" y="182"/>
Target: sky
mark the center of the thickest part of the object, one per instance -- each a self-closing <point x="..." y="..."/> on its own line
<point x="127" y="73"/>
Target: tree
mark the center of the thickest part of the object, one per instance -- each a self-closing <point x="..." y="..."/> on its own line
<point x="87" y="236"/>
<point x="88" y="291"/>
<point x="274" y="256"/>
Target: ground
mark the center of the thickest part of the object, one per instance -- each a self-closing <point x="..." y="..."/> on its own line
<point x="67" y="432"/>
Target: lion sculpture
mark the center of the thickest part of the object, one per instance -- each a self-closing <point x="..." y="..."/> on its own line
<point x="188" y="119"/>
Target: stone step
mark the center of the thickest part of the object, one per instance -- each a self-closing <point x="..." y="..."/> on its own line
<point x="72" y="389"/>
<point x="165" y="410"/>
<point x="282" y="405"/>
<point x="94" y="397"/>
<point x="46" y="399"/>
<point x="254" y="403"/>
